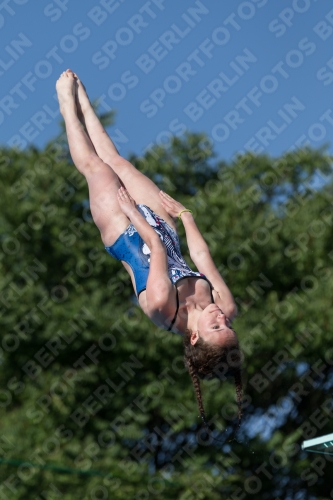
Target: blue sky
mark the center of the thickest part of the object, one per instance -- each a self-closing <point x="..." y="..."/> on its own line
<point x="253" y="75"/>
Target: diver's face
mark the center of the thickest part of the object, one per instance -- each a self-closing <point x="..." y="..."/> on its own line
<point x="214" y="327"/>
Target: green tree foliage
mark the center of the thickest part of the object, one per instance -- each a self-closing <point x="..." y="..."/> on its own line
<point x="96" y="401"/>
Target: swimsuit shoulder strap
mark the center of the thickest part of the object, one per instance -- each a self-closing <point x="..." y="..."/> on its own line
<point x="210" y="288"/>
<point x="211" y="292"/>
<point x="175" y="316"/>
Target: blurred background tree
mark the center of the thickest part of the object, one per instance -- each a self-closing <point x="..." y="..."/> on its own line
<point x="90" y="386"/>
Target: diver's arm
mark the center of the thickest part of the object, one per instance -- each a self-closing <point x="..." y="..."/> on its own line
<point x="160" y="293"/>
<point x="224" y="298"/>
<point x="159" y="290"/>
<point x="195" y="241"/>
<point x="200" y="254"/>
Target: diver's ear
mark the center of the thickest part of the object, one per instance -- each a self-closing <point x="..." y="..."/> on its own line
<point x="194" y="337"/>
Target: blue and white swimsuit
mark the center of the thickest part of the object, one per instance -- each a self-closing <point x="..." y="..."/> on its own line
<point x="131" y="248"/>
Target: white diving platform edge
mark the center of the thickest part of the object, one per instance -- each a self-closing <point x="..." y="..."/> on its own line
<point x="323" y="444"/>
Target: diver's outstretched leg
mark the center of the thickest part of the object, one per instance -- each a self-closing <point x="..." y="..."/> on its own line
<point x="103" y="182"/>
<point x="139" y="186"/>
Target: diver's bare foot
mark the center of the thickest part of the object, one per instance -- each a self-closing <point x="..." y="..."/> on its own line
<point x="66" y="92"/>
<point x="82" y="99"/>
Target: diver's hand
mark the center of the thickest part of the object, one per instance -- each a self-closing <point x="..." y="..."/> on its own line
<point x="126" y="202"/>
<point x="172" y="206"/>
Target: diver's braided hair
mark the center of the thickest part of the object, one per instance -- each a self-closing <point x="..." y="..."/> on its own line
<point x="204" y="360"/>
<point x="239" y="393"/>
<point x="196" y="383"/>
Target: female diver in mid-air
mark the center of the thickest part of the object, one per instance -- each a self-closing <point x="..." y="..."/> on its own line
<point x="142" y="235"/>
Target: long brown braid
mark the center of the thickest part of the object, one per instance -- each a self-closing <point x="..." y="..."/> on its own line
<point x="196" y="383"/>
<point x="204" y="360"/>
